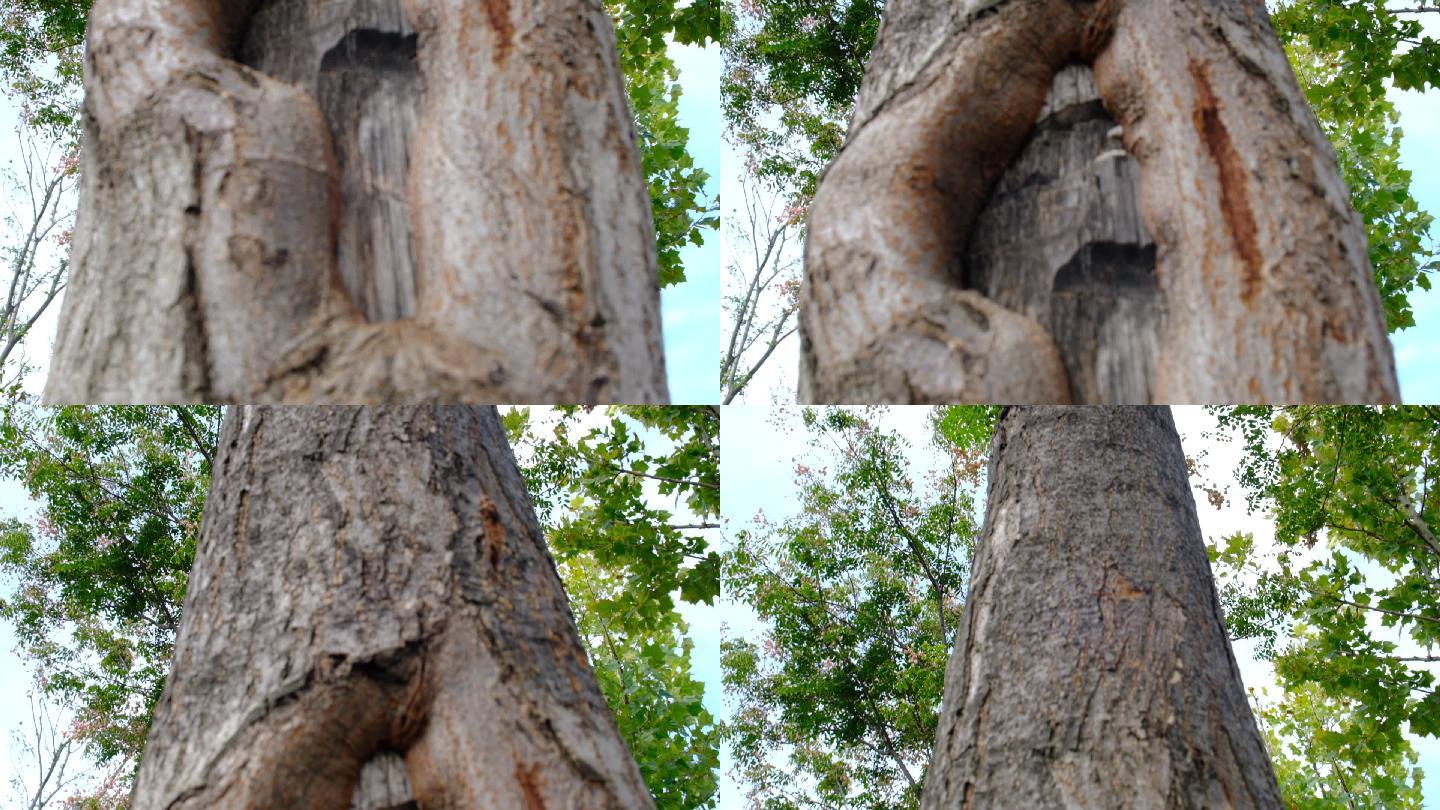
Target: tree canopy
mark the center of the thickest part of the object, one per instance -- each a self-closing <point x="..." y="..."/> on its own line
<point x="836" y="701"/>
<point x="101" y="570"/>
<point x="1347" y="603"/>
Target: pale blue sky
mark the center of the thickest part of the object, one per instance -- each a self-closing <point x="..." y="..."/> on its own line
<point x="1417" y="350"/>
<point x="692" y="310"/>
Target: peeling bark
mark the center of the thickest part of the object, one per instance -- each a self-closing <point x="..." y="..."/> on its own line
<point x="1093" y="669"/>
<point x="374" y="621"/>
<point x="963" y="246"/>
<point x="358" y="201"/>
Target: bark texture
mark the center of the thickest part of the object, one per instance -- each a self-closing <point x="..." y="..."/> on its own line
<point x="358" y="201"/>
<point x="374" y="621"/>
<point x="974" y="241"/>
<point x="1093" y="669"/>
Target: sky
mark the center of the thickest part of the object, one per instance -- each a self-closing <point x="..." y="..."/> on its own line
<point x="691" y="310"/>
<point x="1417" y="349"/>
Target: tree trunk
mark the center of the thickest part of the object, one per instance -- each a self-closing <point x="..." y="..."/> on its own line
<point x="1092" y="669"/>
<point x="411" y="200"/>
<point x="374" y="621"/>
<point x="1189" y="240"/>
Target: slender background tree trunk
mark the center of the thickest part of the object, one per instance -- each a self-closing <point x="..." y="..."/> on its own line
<point x="374" y="619"/>
<point x="389" y="199"/>
<point x="1263" y="289"/>
<point x="1092" y="669"/>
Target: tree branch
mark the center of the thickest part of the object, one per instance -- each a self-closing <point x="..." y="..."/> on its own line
<point x="1412" y="616"/>
<point x="194" y="431"/>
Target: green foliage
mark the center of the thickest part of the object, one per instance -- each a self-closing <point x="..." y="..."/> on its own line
<point x="1344" y="53"/>
<point x="1256" y="605"/>
<point x="40" y="61"/>
<point x="101" y="571"/>
<point x="682" y="213"/>
<point x="589" y="487"/>
<point x="1353" y="589"/>
<point x="624" y="560"/>
<point x="1310" y="737"/>
<point x="837" y="698"/>
<point x="41" y="42"/>
<point x="1364" y="38"/>
<point x="793" y="70"/>
<point x="643" y="666"/>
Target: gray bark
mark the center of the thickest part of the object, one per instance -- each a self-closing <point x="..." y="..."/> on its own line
<point x="374" y="620"/>
<point x="359" y="201"/>
<point x="973" y="242"/>
<point x="1093" y="669"/>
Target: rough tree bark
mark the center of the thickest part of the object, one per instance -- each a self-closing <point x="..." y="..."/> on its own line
<point x="374" y="621"/>
<point x="1093" y="668"/>
<point x="974" y="243"/>
<point x="358" y="201"/>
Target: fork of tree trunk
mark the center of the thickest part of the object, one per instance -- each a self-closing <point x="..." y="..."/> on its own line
<point x="1056" y="201"/>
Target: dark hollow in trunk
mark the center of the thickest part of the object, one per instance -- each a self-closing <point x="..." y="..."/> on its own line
<point x="358" y="60"/>
<point x="1092" y="669"/>
<point x="1060" y="240"/>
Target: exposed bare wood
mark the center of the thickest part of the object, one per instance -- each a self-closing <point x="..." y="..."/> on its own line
<point x="347" y="223"/>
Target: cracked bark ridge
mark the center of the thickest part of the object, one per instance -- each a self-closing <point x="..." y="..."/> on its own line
<point x="1263" y="290"/>
<point x="374" y="621"/>
<point x="1092" y="669"/>
<point x="278" y="203"/>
